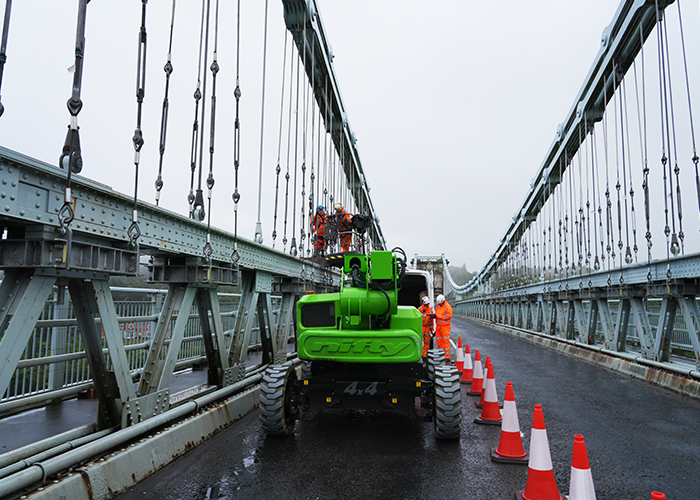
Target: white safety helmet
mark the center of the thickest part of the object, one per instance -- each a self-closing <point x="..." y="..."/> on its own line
<point x="338" y="207"/>
<point x="440" y="299"/>
<point x="426" y="300"/>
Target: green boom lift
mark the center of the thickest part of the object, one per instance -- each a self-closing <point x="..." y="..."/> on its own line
<point x="360" y="349"/>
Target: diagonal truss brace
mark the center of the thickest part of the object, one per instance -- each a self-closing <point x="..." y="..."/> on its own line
<point x="255" y="303"/>
<point x="691" y="313"/>
<point x="22" y="298"/>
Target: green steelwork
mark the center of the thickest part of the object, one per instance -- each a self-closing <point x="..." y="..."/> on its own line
<point x="362" y="323"/>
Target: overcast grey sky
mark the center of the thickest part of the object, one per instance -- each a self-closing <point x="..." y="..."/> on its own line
<point x="454" y="104"/>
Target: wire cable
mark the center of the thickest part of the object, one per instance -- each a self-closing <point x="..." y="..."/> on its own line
<point x="134" y="231"/>
<point x="168" y="68"/>
<point x="3" y="46"/>
<point x="278" y="169"/>
<point x="236" y="137"/>
<point x="191" y="198"/>
<point x="208" y="250"/>
<point x="258" y="225"/>
<point x="71" y="158"/>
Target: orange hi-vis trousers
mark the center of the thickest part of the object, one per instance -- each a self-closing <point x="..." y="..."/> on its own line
<point x="442" y="336"/>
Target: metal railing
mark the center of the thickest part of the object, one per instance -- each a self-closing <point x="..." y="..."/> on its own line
<point x="681" y="342"/>
<point x="55" y="359"/>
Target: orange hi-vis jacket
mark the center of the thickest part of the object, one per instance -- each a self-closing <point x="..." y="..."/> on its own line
<point x="425" y="310"/>
<point x="318" y="223"/>
<point x="442" y="330"/>
<point x="345" y="229"/>
<point x="444" y="313"/>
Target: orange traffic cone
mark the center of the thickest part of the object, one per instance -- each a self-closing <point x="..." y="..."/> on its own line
<point x="487" y="364"/>
<point x="468" y="373"/>
<point x="490" y="413"/>
<point x="541" y="484"/>
<point x="478" y="379"/>
<point x="581" y="486"/>
<point x="510" y="448"/>
<point x="480" y="403"/>
<point x="459" y="363"/>
<point x="656" y="495"/>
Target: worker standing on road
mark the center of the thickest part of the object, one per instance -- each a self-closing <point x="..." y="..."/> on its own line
<point x="318" y="225"/>
<point x="443" y="313"/>
<point x="428" y="316"/>
<point x="344" y="221"/>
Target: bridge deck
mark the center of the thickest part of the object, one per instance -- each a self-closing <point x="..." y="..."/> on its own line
<point x="640" y="438"/>
<point x="30" y="426"/>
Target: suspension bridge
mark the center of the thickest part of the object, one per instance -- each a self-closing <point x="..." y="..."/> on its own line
<point x="600" y="260"/>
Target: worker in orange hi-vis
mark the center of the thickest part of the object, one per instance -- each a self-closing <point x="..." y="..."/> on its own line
<point x="344" y="226"/>
<point x="428" y="316"/>
<point x="443" y="318"/>
<point x="318" y="225"/>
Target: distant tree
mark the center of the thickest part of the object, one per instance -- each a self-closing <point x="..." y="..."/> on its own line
<point x="460" y="275"/>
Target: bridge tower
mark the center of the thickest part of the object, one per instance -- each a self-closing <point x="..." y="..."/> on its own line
<point x="433" y="264"/>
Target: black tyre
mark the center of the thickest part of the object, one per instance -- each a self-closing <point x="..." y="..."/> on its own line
<point x="276" y="416"/>
<point x="435" y="358"/>
<point x="305" y="369"/>
<point x="447" y="403"/>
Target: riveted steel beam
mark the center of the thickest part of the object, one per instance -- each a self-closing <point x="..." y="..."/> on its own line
<point x="32" y="194"/>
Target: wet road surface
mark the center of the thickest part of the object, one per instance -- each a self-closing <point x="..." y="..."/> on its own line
<point x="640" y="438"/>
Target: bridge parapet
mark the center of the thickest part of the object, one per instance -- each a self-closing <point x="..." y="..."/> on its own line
<point x="36" y="257"/>
<point x="620" y="310"/>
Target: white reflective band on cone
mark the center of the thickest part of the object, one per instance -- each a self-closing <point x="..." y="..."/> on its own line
<point x="510" y="417"/>
<point x="581" y="485"/>
<point x="468" y="361"/>
<point x="490" y="391"/>
<point x="539" y="451"/>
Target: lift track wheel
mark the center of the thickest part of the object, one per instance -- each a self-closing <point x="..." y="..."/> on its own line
<point x="275" y="398"/>
<point x="448" y="403"/>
